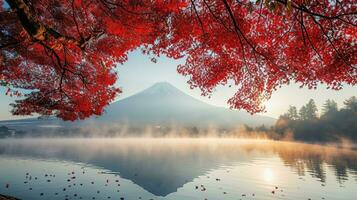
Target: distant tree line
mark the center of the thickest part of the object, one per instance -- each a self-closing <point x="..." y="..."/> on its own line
<point x="5" y="132"/>
<point x="305" y="124"/>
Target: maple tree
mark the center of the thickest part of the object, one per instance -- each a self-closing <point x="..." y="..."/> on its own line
<point x="65" y="52"/>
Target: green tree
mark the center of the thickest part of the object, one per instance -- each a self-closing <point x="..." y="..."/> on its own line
<point x="292" y="113"/>
<point x="308" y="111"/>
<point x="329" y="108"/>
<point x="303" y="113"/>
<point x="351" y="104"/>
<point x="311" y="110"/>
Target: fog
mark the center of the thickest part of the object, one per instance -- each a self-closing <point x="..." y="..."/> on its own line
<point x="103" y="130"/>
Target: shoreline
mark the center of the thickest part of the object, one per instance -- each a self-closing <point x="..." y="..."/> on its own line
<point x="342" y="145"/>
<point x="3" y="197"/>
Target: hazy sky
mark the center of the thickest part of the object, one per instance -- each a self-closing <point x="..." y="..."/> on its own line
<point x="139" y="73"/>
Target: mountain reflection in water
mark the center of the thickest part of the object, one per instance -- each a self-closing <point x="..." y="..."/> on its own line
<point x="162" y="166"/>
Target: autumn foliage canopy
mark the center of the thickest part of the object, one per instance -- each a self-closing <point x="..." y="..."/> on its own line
<point x="63" y="53"/>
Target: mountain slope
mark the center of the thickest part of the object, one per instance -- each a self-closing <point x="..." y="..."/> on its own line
<point x="163" y="103"/>
<point x="160" y="104"/>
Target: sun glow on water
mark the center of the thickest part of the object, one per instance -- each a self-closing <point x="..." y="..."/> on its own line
<point x="268" y="175"/>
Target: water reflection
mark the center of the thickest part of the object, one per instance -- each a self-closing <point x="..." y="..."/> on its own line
<point x="311" y="158"/>
<point x="162" y="166"/>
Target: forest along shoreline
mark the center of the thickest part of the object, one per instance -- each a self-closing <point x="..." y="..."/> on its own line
<point x="3" y="197"/>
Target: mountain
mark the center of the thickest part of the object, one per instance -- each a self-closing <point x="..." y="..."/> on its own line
<point x="163" y="103"/>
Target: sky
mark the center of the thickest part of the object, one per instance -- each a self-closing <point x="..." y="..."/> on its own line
<point x="139" y="72"/>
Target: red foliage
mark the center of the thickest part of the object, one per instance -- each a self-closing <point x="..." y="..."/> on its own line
<point x="265" y="45"/>
<point x="65" y="52"/>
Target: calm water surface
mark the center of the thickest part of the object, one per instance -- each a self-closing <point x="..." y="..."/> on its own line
<point x="175" y="169"/>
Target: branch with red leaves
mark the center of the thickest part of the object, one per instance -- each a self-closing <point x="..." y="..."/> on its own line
<point x="65" y="52"/>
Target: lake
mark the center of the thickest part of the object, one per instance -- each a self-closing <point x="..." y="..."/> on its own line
<point x="175" y="169"/>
